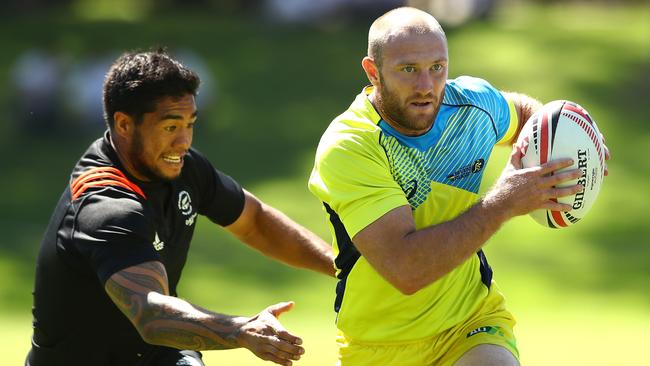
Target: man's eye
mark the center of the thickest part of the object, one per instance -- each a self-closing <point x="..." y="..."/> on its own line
<point x="170" y="128"/>
<point x="437" y="67"/>
<point x="408" y="69"/>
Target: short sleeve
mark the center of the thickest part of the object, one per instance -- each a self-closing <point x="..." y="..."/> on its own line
<point x="113" y="232"/>
<point x="352" y="176"/>
<point x="488" y="98"/>
<point x="222" y="198"/>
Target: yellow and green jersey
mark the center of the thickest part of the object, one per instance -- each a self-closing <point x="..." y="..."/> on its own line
<point x="364" y="168"/>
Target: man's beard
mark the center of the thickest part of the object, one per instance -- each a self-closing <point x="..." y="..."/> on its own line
<point x="135" y="157"/>
<point x="392" y="107"/>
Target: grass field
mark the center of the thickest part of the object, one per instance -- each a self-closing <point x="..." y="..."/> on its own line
<point x="581" y="295"/>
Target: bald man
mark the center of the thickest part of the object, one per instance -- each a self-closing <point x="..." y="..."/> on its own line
<point x="398" y="174"/>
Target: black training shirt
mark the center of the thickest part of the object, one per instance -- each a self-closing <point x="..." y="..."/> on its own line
<point x="108" y="226"/>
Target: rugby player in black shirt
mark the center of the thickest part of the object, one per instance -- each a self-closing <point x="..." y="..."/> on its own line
<point x="115" y="247"/>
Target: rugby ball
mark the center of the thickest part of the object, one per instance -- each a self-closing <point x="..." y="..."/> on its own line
<point x="563" y="129"/>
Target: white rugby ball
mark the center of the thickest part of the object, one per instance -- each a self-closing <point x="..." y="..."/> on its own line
<point x="563" y="129"/>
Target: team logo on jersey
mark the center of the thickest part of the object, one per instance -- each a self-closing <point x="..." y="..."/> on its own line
<point x="190" y="220"/>
<point x="463" y="172"/>
<point x="410" y="188"/>
<point x="158" y="244"/>
<point x="184" y="203"/>
<point x="488" y="330"/>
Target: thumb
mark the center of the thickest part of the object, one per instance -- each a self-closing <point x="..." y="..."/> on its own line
<point x="516" y="155"/>
<point x="280" y="308"/>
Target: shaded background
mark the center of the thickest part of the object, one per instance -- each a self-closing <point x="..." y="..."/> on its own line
<point x="275" y="74"/>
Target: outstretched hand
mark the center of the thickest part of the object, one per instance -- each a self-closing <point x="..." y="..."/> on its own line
<point x="268" y="339"/>
<point x="522" y="190"/>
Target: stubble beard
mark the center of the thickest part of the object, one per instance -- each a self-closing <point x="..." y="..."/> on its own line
<point x="141" y="166"/>
<point x="393" y="108"/>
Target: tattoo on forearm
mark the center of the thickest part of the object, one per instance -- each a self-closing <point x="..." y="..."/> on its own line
<point x="168" y="320"/>
<point x="195" y="334"/>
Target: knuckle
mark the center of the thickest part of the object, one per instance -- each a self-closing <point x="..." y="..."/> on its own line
<point x="285" y="355"/>
<point x="267" y="348"/>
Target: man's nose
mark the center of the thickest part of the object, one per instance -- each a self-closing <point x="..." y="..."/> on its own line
<point x="424" y="83"/>
<point x="184" y="138"/>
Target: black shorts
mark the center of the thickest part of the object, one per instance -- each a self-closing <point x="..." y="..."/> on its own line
<point x="157" y="356"/>
<point x="165" y="356"/>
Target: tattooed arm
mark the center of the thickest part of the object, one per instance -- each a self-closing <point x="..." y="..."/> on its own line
<point x="141" y="292"/>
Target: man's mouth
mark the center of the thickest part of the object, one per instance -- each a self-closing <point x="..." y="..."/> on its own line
<point x="173" y="158"/>
<point x="422" y="104"/>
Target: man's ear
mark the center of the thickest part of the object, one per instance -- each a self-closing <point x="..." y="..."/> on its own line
<point x="123" y="124"/>
<point x="371" y="69"/>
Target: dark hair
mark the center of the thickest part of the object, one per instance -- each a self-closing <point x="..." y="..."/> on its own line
<point x="138" y="80"/>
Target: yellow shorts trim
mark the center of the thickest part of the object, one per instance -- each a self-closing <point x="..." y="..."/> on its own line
<point x="491" y="324"/>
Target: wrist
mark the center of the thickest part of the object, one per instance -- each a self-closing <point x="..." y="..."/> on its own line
<point x="238" y="334"/>
<point x="493" y="208"/>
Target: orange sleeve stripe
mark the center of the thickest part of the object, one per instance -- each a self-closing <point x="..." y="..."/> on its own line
<point x="103" y="183"/>
<point x="102" y="177"/>
<point x="97" y="173"/>
<point x="83" y="179"/>
<point x="93" y="176"/>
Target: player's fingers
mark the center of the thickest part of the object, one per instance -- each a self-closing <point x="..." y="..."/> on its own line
<point x="557" y="206"/>
<point x="280" y="353"/>
<point x="554" y="165"/>
<point x="515" y="156"/>
<point x="267" y="356"/>
<point x="280" y="308"/>
<point x="285" y="335"/>
<point x="278" y="331"/>
<point x="565" y="191"/>
<point x="286" y="346"/>
<point x="602" y="138"/>
<point x="607" y="154"/>
<point x="287" y="355"/>
<point x="562" y="177"/>
<point x="275" y="325"/>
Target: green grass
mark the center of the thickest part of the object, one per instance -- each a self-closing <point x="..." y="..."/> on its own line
<point x="581" y="295"/>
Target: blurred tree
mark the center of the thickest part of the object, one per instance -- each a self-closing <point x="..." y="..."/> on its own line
<point x="217" y="6"/>
<point x="22" y="6"/>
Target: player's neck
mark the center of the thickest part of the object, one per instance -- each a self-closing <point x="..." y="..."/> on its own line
<point x="376" y="101"/>
<point x="119" y="147"/>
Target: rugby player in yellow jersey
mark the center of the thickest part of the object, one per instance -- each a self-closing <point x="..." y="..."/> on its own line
<point x="398" y="174"/>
